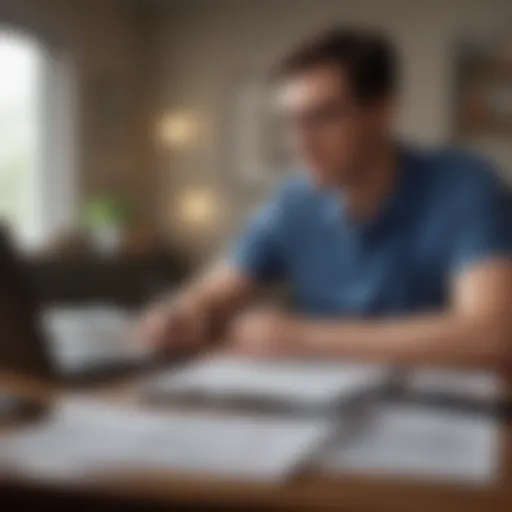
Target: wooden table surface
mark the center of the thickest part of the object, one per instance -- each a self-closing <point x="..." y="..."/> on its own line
<point x="309" y="491"/>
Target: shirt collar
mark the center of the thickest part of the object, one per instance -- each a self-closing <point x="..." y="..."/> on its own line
<point x="334" y="206"/>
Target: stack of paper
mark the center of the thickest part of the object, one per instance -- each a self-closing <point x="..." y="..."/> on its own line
<point x="407" y="440"/>
<point x="308" y="384"/>
<point x="87" y="437"/>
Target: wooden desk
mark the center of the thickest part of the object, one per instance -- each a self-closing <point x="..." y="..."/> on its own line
<point x="312" y="492"/>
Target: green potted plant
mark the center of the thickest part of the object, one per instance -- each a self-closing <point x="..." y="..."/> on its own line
<point x="106" y="218"/>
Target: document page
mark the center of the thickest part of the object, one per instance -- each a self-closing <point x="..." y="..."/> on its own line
<point x="297" y="383"/>
<point x="86" y="437"/>
<point x="411" y="441"/>
<point x="457" y="383"/>
<point x="81" y="337"/>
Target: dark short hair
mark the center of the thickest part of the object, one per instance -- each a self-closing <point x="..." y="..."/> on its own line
<point x="365" y="55"/>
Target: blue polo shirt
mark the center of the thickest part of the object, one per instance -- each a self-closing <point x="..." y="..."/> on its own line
<point x="448" y="212"/>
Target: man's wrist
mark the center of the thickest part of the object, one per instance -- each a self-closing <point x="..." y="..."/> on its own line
<point x="317" y="338"/>
<point x="302" y="336"/>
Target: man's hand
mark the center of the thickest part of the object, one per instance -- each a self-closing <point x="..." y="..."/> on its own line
<point x="187" y="321"/>
<point x="265" y="333"/>
<point x="177" y="324"/>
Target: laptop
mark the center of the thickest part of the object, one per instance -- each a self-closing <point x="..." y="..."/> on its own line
<point x="62" y="344"/>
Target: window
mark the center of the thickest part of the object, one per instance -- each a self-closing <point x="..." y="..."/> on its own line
<point x="35" y="153"/>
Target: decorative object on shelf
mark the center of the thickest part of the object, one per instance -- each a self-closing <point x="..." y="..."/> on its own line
<point x="484" y="88"/>
<point x="106" y="219"/>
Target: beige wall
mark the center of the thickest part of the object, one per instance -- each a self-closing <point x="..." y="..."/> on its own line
<point x="193" y="54"/>
<point x="205" y="47"/>
<point x="106" y="41"/>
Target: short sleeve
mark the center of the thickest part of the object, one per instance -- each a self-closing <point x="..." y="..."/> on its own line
<point x="483" y="228"/>
<point x="258" y="252"/>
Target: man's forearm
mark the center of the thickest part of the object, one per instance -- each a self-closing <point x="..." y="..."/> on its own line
<point x="218" y="294"/>
<point x="435" y="339"/>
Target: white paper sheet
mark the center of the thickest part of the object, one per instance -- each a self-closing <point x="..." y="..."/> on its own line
<point x="464" y="384"/>
<point x="297" y="383"/>
<point x="83" y="336"/>
<point x="88" y="436"/>
<point x="407" y="440"/>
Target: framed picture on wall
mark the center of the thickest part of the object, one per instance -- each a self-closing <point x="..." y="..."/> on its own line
<point x="262" y="156"/>
<point x="484" y="89"/>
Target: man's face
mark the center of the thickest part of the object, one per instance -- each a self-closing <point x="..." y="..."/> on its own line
<point x="330" y="130"/>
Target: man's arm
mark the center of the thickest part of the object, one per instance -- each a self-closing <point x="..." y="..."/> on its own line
<point x="475" y="330"/>
<point x="195" y="315"/>
<point x="220" y="291"/>
<point x="200" y="311"/>
<point x="255" y="260"/>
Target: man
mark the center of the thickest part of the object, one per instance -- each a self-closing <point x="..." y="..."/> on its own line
<point x="392" y="254"/>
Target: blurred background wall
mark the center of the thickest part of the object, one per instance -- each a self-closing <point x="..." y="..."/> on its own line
<point x="104" y="43"/>
<point x="158" y="83"/>
<point x="207" y="48"/>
